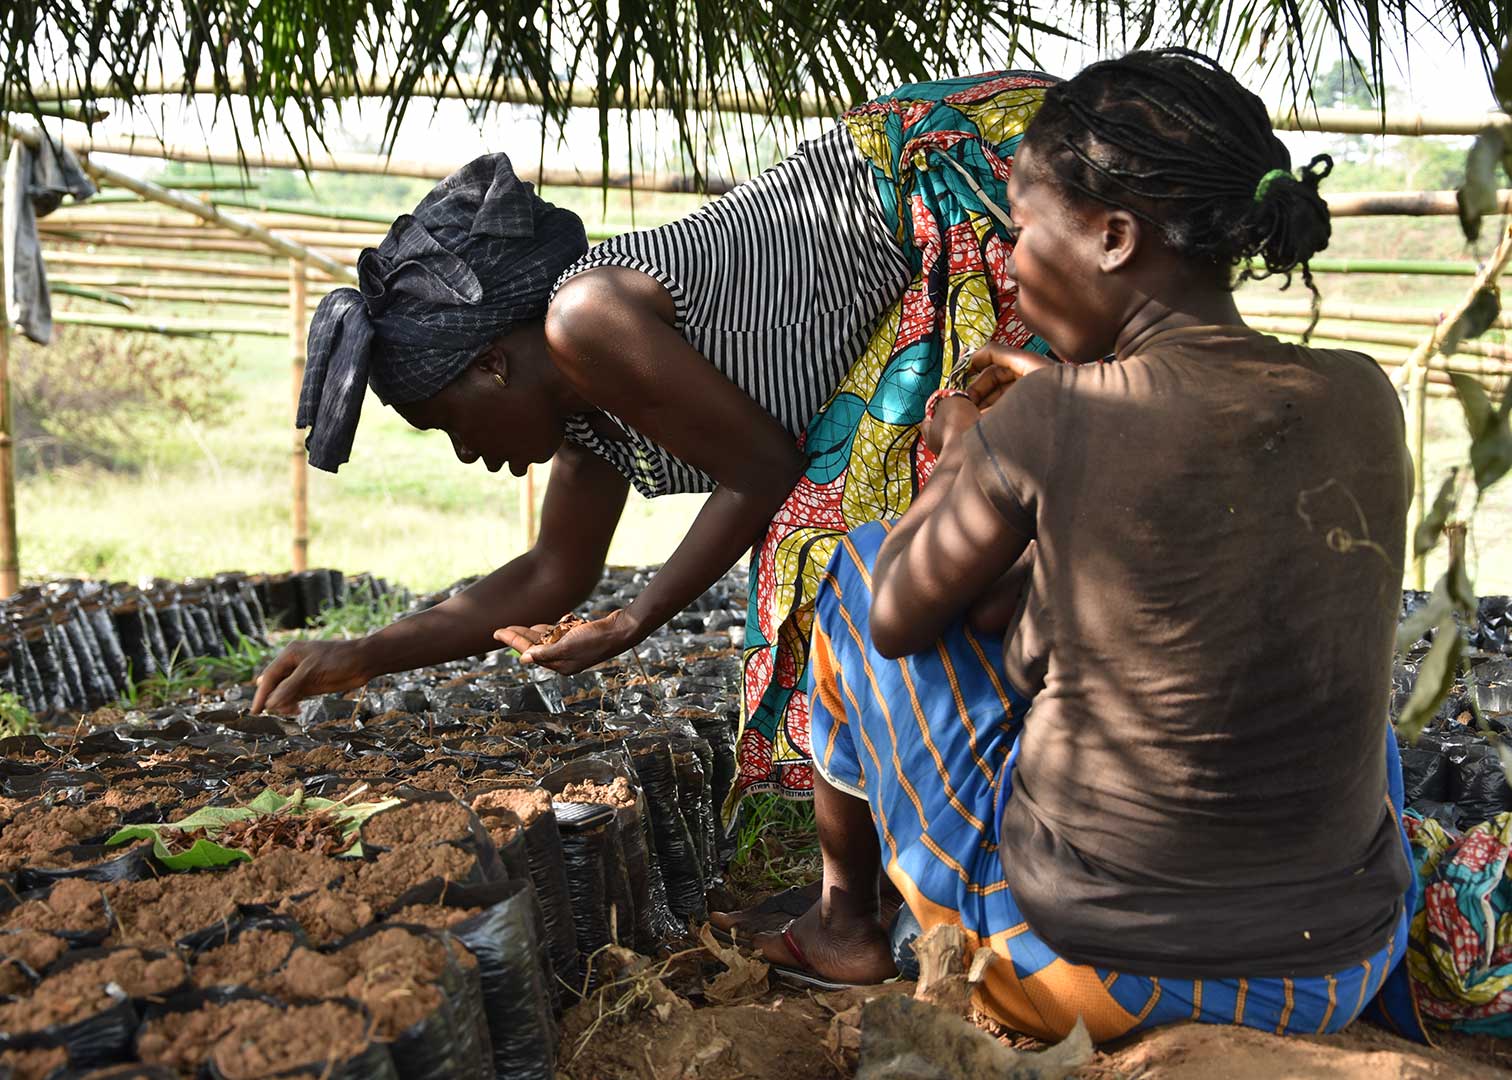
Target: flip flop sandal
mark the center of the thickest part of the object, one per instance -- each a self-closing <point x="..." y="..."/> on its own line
<point x="803" y="975"/>
<point x="792" y="902"/>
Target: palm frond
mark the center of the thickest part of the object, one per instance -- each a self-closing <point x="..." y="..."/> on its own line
<point x="780" y="58"/>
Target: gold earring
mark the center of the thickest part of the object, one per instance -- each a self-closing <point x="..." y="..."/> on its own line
<point x="500" y="379"/>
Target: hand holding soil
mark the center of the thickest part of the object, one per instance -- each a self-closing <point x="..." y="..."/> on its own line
<point x="572" y="643"/>
<point x="307" y="668"/>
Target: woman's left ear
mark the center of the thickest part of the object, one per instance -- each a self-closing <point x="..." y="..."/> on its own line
<point x="1122" y="233"/>
<point x="495" y="363"/>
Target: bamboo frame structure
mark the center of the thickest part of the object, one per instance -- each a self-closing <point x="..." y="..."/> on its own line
<point x="279" y="254"/>
<point x="10" y="546"/>
<point x="299" y="502"/>
<point x="519" y="92"/>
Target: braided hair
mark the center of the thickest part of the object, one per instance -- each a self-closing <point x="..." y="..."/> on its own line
<point x="1170" y="137"/>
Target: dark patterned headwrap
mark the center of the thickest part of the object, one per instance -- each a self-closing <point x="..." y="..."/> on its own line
<point x="478" y="256"/>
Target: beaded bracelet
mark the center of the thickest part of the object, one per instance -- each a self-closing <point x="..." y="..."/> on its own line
<point x="938" y="396"/>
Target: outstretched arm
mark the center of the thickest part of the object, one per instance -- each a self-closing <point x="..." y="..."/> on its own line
<point x="611" y="331"/>
<point x="584" y="499"/>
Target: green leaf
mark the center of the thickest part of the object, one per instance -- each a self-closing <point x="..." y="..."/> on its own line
<point x="1475" y="320"/>
<point x="1477" y="196"/>
<point x="1452" y="593"/>
<point x="1428" y="532"/>
<point x="1490" y="434"/>
<point x="200" y="855"/>
<point x="269" y="801"/>
<point x="1435" y="679"/>
<point x="1501" y="80"/>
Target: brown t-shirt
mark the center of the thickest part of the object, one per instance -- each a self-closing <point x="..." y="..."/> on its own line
<point x="1208" y="632"/>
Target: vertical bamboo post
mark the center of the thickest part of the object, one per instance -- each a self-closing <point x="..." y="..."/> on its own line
<point x="527" y="506"/>
<point x="1417" y="429"/>
<point x="10" y="557"/>
<point x="299" y="471"/>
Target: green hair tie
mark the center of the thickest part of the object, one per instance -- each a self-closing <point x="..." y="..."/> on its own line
<point x="1267" y="180"/>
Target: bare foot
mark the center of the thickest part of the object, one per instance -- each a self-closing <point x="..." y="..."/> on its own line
<point x="769" y="916"/>
<point x="839" y="946"/>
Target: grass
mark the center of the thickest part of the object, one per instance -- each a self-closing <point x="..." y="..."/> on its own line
<point x="15" y="718"/>
<point x="777" y="847"/>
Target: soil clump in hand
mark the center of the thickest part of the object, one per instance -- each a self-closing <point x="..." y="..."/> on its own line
<point x="564" y="626"/>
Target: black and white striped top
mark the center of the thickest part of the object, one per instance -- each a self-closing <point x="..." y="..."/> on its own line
<point x="778" y="284"/>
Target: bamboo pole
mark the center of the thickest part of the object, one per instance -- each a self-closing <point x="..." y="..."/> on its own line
<point x="527" y="506"/>
<point x="1366" y="313"/>
<point x="462" y="88"/>
<point x="205" y="267"/>
<point x="1417" y="444"/>
<point x="10" y="553"/>
<point x="1495" y="353"/>
<point x="197" y="283"/>
<point x="754" y="102"/>
<point x="147" y="215"/>
<point x="178" y="201"/>
<point x="1429" y="267"/>
<point x="299" y="470"/>
<point x="10" y="548"/>
<point x="1372" y="122"/>
<point x="386" y="166"/>
<point x="200" y="296"/>
<point x="1413" y="374"/>
<point x="127" y="232"/>
<point x="162" y="326"/>
<point x="115" y="299"/>
<point x="1403" y="203"/>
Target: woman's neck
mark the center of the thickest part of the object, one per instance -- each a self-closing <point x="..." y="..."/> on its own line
<point x="1172" y="305"/>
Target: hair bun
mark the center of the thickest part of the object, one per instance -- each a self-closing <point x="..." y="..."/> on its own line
<point x="1289" y="222"/>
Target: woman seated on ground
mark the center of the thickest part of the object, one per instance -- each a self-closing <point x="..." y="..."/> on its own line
<point x="1198" y="819"/>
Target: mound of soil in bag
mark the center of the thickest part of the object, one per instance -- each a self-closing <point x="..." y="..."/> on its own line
<point x="246" y="1039"/>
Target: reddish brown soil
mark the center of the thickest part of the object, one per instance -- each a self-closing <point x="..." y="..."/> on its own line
<point x="1361" y="1052"/>
<point x="618" y="793"/>
<point x="433" y="915"/>
<point x="158" y="912"/>
<point x="128" y="799"/>
<point x="526" y="803"/>
<point x="79" y="990"/>
<point x="393" y="973"/>
<point x="252" y="955"/>
<point x="418" y="823"/>
<point x="72" y="906"/>
<point x="329" y="915"/>
<point x="253" y="1039"/>
<point x="33" y="948"/>
<point x="39" y="830"/>
<point x="32" y="1064"/>
<point x="394" y="873"/>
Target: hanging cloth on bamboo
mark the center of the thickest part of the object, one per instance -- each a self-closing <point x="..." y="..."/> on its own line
<point x="35" y="183"/>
